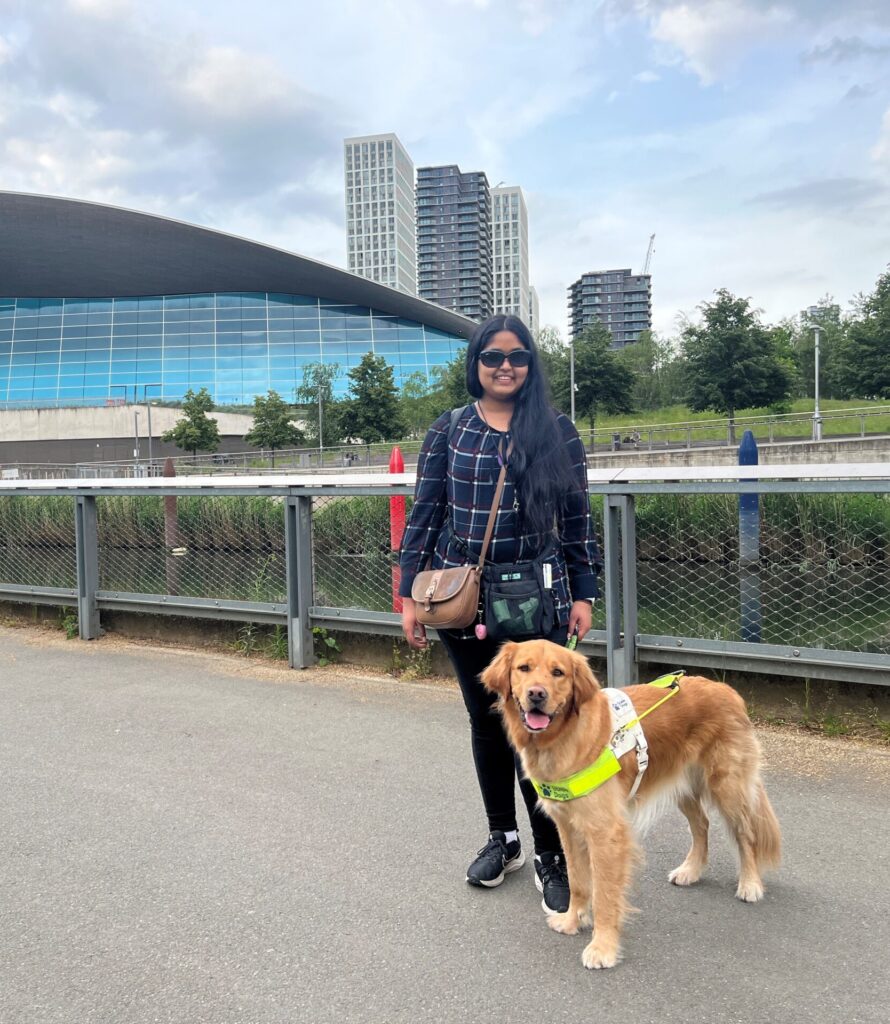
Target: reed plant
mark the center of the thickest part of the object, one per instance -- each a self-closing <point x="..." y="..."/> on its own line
<point x="795" y="528"/>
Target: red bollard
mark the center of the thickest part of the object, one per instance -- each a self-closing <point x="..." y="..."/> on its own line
<point x="396" y="526"/>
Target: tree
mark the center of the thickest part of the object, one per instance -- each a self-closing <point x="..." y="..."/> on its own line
<point x="315" y="396"/>
<point x="372" y="411"/>
<point x="602" y="382"/>
<point x="420" y="402"/>
<point x="866" y="348"/>
<point x="554" y="353"/>
<point x="731" y="360"/>
<point x="272" y="427"/>
<point x="450" y="382"/>
<point x="195" y="431"/>
<point x="655" y="368"/>
<point x="832" y="338"/>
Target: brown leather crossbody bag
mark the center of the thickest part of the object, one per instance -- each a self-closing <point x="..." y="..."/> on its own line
<point x="449" y="598"/>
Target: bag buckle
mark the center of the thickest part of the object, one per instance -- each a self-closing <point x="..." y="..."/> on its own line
<point x="430" y="592"/>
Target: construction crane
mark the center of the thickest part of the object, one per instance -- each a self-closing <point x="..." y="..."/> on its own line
<point x="649" y="252"/>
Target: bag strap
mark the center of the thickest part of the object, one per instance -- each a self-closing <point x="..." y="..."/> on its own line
<point x="492" y="515"/>
<point x="498" y="491"/>
<point x="455" y="418"/>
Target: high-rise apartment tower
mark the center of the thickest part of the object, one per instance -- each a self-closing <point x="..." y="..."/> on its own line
<point x="380" y="238"/>
<point x="454" y="265"/>
<point x="619" y="299"/>
<point x="509" y="239"/>
<point x="534" y="310"/>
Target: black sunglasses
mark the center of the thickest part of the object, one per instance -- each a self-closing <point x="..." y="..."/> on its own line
<point x="493" y="357"/>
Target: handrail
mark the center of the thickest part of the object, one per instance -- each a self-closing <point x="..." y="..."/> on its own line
<point x="387" y="483"/>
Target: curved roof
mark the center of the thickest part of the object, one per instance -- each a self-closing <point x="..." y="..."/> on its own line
<point x="66" y="248"/>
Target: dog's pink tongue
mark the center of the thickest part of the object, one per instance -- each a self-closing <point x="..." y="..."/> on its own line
<point x="537" y="719"/>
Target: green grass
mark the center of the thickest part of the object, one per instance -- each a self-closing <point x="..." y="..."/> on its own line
<point x="879" y="422"/>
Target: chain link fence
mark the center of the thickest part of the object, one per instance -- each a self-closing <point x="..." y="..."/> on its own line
<point x="818" y="577"/>
<point x="821" y="577"/>
<point x="354" y="565"/>
<point x="214" y="547"/>
<point x="37" y="541"/>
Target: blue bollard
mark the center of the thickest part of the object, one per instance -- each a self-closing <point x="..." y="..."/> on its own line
<point x="750" y="613"/>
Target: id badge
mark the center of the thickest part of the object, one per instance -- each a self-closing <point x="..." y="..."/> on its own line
<point x="548" y="576"/>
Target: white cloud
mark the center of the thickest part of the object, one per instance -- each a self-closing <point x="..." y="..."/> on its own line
<point x="199" y="112"/>
<point x="713" y="35"/>
<point x="233" y="84"/>
<point x="105" y="9"/>
<point x="880" y="152"/>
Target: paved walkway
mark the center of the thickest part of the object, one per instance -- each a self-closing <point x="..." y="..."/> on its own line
<point x="190" y="838"/>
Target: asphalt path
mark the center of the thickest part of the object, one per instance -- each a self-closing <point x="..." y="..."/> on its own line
<point x="198" y="838"/>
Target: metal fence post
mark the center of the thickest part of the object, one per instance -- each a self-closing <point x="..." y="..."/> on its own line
<point x="298" y="560"/>
<point x="629" y="588"/>
<point x="613" y="588"/>
<point x="86" y="535"/>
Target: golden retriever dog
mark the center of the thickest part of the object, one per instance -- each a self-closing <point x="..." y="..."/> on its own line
<point x="702" y="751"/>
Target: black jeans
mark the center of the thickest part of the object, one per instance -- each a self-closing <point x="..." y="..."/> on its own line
<point x="497" y="767"/>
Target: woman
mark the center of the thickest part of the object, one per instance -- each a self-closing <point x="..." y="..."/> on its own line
<point x="544" y="507"/>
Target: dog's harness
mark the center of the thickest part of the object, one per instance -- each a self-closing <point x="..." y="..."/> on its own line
<point x="627" y="735"/>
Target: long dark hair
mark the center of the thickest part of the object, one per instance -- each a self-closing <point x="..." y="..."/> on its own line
<point x="540" y="464"/>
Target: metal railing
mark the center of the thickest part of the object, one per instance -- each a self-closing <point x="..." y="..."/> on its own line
<point x="301" y="552"/>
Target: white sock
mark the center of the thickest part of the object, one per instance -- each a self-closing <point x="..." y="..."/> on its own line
<point x="512" y="837"/>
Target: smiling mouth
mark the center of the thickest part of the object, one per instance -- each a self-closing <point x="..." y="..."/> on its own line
<point x="535" y="720"/>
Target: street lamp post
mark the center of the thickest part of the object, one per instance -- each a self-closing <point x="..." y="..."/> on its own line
<point x="136" y="448"/>
<point x="572" y="377"/>
<point x="817" y="418"/>
<point x="145" y="388"/>
<point x="320" y="442"/>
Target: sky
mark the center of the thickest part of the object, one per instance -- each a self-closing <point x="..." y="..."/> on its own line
<point x="752" y="138"/>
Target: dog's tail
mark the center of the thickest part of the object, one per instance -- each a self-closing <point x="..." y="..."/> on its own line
<point x="767" y="834"/>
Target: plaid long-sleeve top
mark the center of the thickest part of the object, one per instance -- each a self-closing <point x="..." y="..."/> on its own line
<point x="457" y="480"/>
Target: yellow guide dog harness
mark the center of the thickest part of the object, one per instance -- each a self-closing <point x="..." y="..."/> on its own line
<point x="627" y="734"/>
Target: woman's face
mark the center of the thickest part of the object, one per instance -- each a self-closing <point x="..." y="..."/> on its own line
<point x="504" y="381"/>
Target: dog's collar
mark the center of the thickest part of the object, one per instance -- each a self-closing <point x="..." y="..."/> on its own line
<point x="627" y="734"/>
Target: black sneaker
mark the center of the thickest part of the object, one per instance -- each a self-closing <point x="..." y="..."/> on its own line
<point x="552" y="880"/>
<point x="496" y="859"/>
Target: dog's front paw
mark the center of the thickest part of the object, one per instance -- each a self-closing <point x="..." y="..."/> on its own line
<point x="684" y="875"/>
<point x="750" y="891"/>
<point x="566" y="924"/>
<point x="598" y="955"/>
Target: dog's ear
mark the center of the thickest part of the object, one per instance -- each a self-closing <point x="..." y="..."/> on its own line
<point x="584" y="682"/>
<point x="496" y="678"/>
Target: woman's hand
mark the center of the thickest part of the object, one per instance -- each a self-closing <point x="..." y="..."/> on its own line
<point x="415" y="632"/>
<point x="581" y="616"/>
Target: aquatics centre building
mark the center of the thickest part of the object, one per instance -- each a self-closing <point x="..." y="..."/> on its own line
<point x="99" y="304"/>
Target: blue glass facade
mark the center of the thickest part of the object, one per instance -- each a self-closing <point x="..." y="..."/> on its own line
<point x="236" y="344"/>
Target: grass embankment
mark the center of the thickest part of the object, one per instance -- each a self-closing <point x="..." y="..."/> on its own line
<point x="707" y="426"/>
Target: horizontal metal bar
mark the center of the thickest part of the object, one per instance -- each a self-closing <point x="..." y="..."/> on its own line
<point x="356" y="620"/>
<point x="390" y="624"/>
<point x="197" y="607"/>
<point x="380" y="491"/>
<point x="832" y="486"/>
<point x="777" y="659"/>
<point x="38" y="595"/>
<point x="841" y="485"/>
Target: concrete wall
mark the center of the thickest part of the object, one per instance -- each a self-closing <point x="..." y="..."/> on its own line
<point x="100" y="433"/>
<point x="102" y="421"/>
<point x="870" y="449"/>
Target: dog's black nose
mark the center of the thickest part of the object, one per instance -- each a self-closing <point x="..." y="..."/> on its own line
<point x="537" y="695"/>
